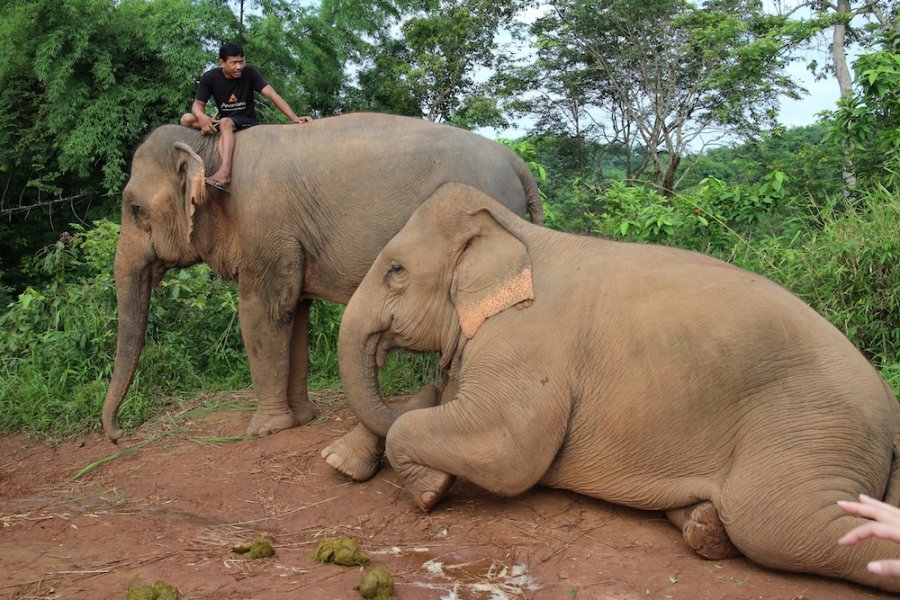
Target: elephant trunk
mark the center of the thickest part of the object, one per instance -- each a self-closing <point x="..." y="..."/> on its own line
<point x="362" y="346"/>
<point x="133" y="287"/>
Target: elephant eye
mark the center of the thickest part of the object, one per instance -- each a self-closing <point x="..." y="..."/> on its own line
<point x="139" y="216"/>
<point x="395" y="278"/>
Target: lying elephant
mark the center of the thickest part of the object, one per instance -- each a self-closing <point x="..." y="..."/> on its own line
<point x="308" y="210"/>
<point x="642" y="375"/>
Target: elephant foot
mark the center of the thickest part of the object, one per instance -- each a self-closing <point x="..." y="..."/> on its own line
<point x="304" y="411"/>
<point x="357" y="454"/>
<point x="266" y="424"/>
<point x="427" y="485"/>
<point x="705" y="533"/>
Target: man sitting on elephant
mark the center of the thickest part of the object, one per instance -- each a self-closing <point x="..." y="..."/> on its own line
<point x="231" y="85"/>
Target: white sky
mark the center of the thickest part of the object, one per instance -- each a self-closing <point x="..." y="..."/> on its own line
<point x="823" y="95"/>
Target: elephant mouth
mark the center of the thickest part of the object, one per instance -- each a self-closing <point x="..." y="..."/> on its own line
<point x="384" y="343"/>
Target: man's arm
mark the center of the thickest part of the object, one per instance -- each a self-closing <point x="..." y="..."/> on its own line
<point x="270" y="93"/>
<point x="207" y="124"/>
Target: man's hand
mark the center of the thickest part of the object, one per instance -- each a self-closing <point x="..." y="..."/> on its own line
<point x="207" y="125"/>
<point x="270" y="93"/>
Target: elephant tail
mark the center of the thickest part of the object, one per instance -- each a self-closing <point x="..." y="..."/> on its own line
<point x="534" y="206"/>
<point x="892" y="492"/>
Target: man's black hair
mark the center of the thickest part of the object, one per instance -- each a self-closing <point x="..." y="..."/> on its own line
<point x="230" y="49"/>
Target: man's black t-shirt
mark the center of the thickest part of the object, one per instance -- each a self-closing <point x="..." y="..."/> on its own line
<point x="234" y="97"/>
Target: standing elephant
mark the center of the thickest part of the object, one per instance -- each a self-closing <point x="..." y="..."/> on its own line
<point x="308" y="210"/>
<point x="642" y="375"/>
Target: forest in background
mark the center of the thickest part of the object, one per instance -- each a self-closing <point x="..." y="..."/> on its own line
<point x="652" y="121"/>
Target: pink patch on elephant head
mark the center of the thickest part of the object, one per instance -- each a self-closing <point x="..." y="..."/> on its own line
<point x="475" y="308"/>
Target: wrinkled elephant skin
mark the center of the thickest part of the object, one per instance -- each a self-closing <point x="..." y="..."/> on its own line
<point x="648" y="376"/>
<point x="307" y="210"/>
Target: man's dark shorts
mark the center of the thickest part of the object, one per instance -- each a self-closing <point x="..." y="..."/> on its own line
<point x="240" y="122"/>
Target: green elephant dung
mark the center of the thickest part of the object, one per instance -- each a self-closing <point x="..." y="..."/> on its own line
<point x="160" y="590"/>
<point x="258" y="548"/>
<point x="340" y="551"/>
<point x="377" y="584"/>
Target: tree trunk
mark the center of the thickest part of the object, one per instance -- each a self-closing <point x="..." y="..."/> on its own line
<point x="667" y="185"/>
<point x="838" y="53"/>
<point x="845" y="83"/>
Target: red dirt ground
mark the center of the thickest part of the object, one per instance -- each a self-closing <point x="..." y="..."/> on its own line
<point x="173" y="509"/>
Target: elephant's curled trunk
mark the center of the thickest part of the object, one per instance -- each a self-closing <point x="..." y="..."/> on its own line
<point x="133" y="288"/>
<point x="358" y="348"/>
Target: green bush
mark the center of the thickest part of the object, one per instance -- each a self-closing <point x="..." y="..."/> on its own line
<point x="641" y="214"/>
<point x="61" y="340"/>
<point x="867" y="121"/>
<point x="847" y="267"/>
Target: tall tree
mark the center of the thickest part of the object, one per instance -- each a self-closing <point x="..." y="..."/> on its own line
<point x="440" y="64"/>
<point x="655" y="76"/>
<point x="312" y="52"/>
<point x="867" y="119"/>
<point x="81" y="83"/>
<point x="84" y="80"/>
<point x="853" y="23"/>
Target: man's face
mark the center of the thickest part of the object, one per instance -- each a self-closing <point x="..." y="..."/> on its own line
<point x="232" y="66"/>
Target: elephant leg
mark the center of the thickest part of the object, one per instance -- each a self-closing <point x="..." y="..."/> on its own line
<point x="783" y="516"/>
<point x="703" y="531"/>
<point x="496" y="447"/>
<point x="359" y="452"/>
<point x="298" y="390"/>
<point x="268" y="344"/>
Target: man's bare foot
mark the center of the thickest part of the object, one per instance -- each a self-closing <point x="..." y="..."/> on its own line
<point x="219" y="184"/>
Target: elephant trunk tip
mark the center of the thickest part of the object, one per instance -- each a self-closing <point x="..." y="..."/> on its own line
<point x="112" y="429"/>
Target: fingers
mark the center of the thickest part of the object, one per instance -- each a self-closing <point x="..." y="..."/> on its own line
<point x="892" y="510"/>
<point x="884" y="524"/>
<point x="870" y="508"/>
<point x="884" y="531"/>
<point x="889" y="568"/>
<point x="208" y="126"/>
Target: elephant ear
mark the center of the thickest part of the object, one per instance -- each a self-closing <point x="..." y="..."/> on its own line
<point x="192" y="171"/>
<point x="492" y="274"/>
